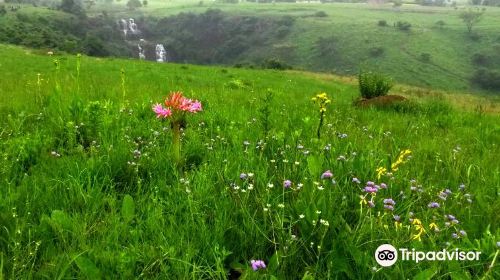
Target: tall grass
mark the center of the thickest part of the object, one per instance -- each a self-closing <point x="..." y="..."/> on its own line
<point x="89" y="188"/>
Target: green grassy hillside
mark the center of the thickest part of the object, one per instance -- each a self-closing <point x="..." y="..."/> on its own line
<point x="90" y="188"/>
<point x="337" y="38"/>
<point x="354" y="37"/>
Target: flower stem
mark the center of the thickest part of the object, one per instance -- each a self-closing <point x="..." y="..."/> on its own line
<point x="176" y="143"/>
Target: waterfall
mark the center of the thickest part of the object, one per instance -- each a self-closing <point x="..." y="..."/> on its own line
<point x="142" y="56"/>
<point x="128" y="27"/>
<point x="133" y="26"/>
<point x="161" y="54"/>
<point x="123" y="26"/>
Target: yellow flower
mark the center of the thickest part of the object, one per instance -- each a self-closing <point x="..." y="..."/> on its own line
<point x="381" y="171"/>
<point x="419" y="228"/>
<point x="363" y="200"/>
<point x="398" y="225"/>
<point x="433" y="226"/>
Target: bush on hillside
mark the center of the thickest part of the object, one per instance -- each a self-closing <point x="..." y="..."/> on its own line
<point x="382" y="22"/>
<point x="276" y="64"/>
<point x="372" y="84"/>
<point x="377" y="51"/>
<point x="425" y="57"/>
<point x="480" y="59"/>
<point x="320" y="14"/>
<point x="487" y="79"/>
<point x="403" y="25"/>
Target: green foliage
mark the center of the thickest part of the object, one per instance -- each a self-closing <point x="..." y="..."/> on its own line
<point x="134" y="4"/>
<point x="382" y="23"/>
<point x="73" y="7"/>
<point x="373" y="84"/>
<point x="320" y="14"/>
<point x="487" y="79"/>
<point x="471" y="17"/>
<point x="403" y="25"/>
<point x="275" y="63"/>
<point x="377" y="51"/>
<point x="425" y="57"/>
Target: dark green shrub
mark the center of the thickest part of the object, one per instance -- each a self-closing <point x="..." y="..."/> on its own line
<point x="377" y="51"/>
<point x="480" y="59"/>
<point x="382" y="22"/>
<point x="373" y="84"/>
<point x="487" y="79"/>
<point x="320" y="14"/>
<point x="440" y="23"/>
<point x="425" y="57"/>
<point x="274" y="63"/>
<point x="403" y="25"/>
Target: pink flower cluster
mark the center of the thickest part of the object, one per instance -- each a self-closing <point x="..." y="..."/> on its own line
<point x="176" y="102"/>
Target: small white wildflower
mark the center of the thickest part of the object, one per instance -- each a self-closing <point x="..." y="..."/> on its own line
<point x="281" y="205"/>
<point x="302" y="216"/>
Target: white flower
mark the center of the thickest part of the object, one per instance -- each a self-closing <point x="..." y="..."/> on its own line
<point x="270" y="185"/>
<point x="281" y="205"/>
<point x="302" y="216"/>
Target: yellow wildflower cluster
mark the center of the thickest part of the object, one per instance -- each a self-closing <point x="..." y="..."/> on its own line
<point x="395" y="166"/>
<point x="419" y="228"/>
<point x="322" y="100"/>
<point x="401" y="159"/>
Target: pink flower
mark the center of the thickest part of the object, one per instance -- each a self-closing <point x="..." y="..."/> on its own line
<point x="195" y="106"/>
<point x="327" y="175"/>
<point x="161" y="112"/>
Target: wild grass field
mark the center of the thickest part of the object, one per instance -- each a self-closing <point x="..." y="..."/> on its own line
<point x="91" y="188"/>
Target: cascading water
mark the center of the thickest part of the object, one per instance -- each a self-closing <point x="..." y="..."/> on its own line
<point x="128" y="27"/>
<point x="142" y="56"/>
<point x="161" y="54"/>
<point x="133" y="26"/>
<point x="123" y="26"/>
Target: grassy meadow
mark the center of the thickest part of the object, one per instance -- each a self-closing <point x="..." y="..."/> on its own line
<point x="89" y="188"/>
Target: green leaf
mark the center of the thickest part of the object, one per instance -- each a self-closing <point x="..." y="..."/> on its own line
<point x="425" y="274"/>
<point x="128" y="208"/>
<point x="61" y="220"/>
<point x="314" y="165"/>
<point x="307" y="276"/>
<point x="88" y="268"/>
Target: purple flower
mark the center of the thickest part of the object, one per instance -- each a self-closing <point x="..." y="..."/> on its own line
<point x="447" y="191"/>
<point x="369" y="189"/>
<point x="370" y="184"/>
<point x="258" y="264"/>
<point x="371" y="204"/>
<point x="454" y="235"/>
<point x="463" y="233"/>
<point x="397" y="218"/>
<point x="450" y="217"/>
<point x="243" y="176"/>
<point x="389" y="201"/>
<point x="433" y="205"/>
<point x="383" y="186"/>
<point x="443" y="195"/>
<point x="461" y="187"/>
<point x="389" y="207"/>
<point x="287" y="183"/>
<point x="356" y="180"/>
<point x="327" y="175"/>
